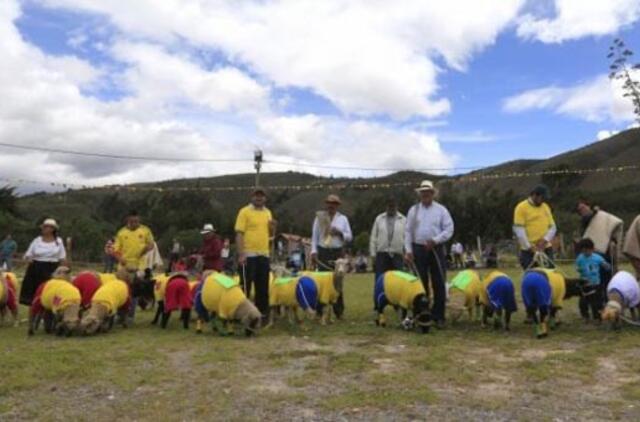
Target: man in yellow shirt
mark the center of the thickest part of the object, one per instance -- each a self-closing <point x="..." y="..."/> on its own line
<point x="254" y="227"/>
<point x="133" y="241"/>
<point x="534" y="226"/>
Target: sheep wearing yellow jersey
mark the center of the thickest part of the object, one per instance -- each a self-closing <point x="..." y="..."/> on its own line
<point x="330" y="286"/>
<point x="463" y="295"/>
<point x="405" y="292"/>
<point x="57" y="301"/>
<point x="111" y="299"/>
<point x="292" y="293"/>
<point x="8" y="296"/>
<point x="220" y="299"/>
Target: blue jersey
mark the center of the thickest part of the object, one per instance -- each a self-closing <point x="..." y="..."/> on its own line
<point x="589" y="267"/>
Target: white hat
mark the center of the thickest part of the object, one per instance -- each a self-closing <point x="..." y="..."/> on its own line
<point x="50" y="222"/>
<point x="208" y="228"/>
<point x="426" y="185"/>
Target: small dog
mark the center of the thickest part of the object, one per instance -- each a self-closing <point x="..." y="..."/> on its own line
<point x="404" y="292"/>
<point x="292" y="293"/>
<point x="330" y="287"/>
<point x="111" y="299"/>
<point x="623" y="293"/>
<point x="8" y="297"/>
<point x="220" y="299"/>
<point x="543" y="292"/>
<point x="57" y="301"/>
<point x="463" y="295"/>
<point x="498" y="300"/>
<point x="88" y="283"/>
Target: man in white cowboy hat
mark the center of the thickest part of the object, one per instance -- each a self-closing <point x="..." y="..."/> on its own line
<point x="211" y="249"/>
<point x="429" y="227"/>
<point x="331" y="232"/>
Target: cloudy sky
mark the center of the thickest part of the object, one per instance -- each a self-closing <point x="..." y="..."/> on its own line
<point x="346" y="83"/>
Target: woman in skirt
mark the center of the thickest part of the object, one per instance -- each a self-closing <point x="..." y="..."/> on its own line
<point x="44" y="255"/>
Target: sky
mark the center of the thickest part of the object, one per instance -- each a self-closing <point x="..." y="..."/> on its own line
<point x="365" y="86"/>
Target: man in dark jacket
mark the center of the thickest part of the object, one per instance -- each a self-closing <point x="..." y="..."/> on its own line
<point x="211" y="249"/>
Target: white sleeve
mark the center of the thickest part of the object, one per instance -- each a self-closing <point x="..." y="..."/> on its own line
<point x="62" y="252"/>
<point x="447" y="228"/>
<point x="31" y="250"/>
<point x="521" y="235"/>
<point x="408" y="235"/>
<point x="551" y="233"/>
<point x="315" y="236"/>
<point x="347" y="236"/>
<point x="373" y="247"/>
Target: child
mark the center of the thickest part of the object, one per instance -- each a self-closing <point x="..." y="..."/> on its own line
<point x="589" y="265"/>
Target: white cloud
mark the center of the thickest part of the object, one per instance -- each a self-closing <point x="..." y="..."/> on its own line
<point x="155" y="75"/>
<point x="366" y="57"/>
<point x="43" y="106"/>
<point x="597" y="100"/>
<point x="313" y="140"/>
<point x="579" y="18"/>
<point x="605" y="134"/>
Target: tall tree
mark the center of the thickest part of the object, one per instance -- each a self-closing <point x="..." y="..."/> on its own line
<point x="622" y="70"/>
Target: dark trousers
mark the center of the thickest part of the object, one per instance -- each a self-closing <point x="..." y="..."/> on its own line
<point x="526" y="257"/>
<point x="387" y="262"/>
<point x="591" y="300"/>
<point x="327" y="262"/>
<point x="431" y="267"/>
<point x="37" y="273"/>
<point x="256" y="273"/>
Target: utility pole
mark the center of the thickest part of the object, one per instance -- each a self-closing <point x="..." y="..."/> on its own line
<point x="257" y="158"/>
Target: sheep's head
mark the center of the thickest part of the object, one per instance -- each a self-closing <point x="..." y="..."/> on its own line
<point x="249" y="316"/>
<point x="456" y="304"/>
<point x="69" y="319"/>
<point x="94" y="319"/>
<point x="611" y="311"/>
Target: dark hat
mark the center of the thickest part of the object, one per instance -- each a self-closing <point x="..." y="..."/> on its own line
<point x="258" y="189"/>
<point x="541" y="190"/>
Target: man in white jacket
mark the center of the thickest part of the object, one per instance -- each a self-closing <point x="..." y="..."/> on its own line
<point x="386" y="243"/>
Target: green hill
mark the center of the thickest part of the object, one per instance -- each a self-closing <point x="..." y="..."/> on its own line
<point x="481" y="202"/>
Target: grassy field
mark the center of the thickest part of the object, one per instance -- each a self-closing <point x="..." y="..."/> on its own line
<point x="351" y="370"/>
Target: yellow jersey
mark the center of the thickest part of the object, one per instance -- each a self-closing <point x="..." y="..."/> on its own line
<point x="327" y="293"/>
<point x="58" y="294"/>
<point x="222" y="295"/>
<point x="536" y="220"/>
<point x="282" y="292"/>
<point x="131" y="245"/>
<point x="112" y="295"/>
<point x="468" y="282"/>
<point x="160" y="287"/>
<point x="401" y="288"/>
<point x="254" y="223"/>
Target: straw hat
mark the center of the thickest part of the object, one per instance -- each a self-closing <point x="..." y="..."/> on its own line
<point x="426" y="185"/>
<point x="50" y="222"/>
<point x="333" y="199"/>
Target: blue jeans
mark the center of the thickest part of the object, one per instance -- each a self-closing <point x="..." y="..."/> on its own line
<point x="8" y="260"/>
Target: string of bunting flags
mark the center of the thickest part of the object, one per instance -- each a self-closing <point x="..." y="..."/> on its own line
<point x="320" y="185"/>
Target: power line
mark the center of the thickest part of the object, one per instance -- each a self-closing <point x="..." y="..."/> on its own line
<point x="123" y="157"/>
<point x="223" y="160"/>
<point x="326" y="184"/>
